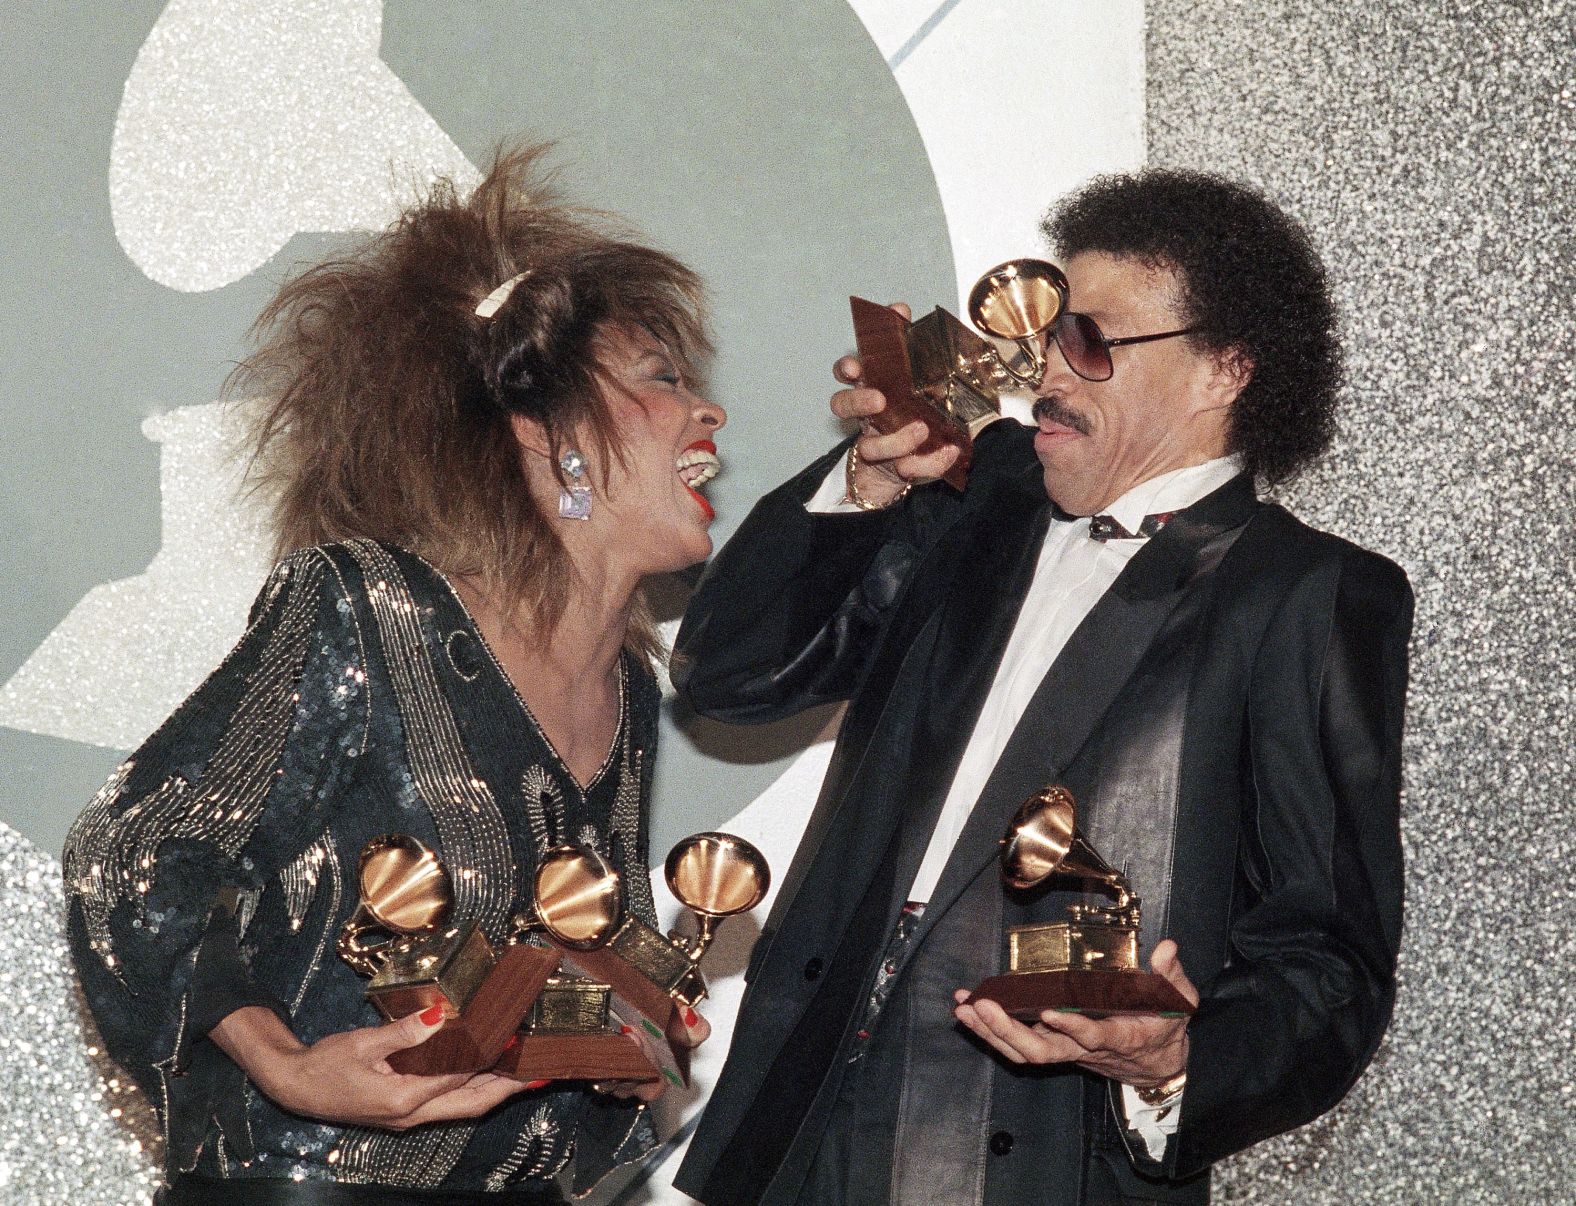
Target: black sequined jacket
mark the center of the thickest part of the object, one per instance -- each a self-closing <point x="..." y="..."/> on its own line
<point x="216" y="866"/>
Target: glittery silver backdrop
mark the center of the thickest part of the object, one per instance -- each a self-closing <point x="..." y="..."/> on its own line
<point x="1429" y="147"/>
<point x="73" y="1128"/>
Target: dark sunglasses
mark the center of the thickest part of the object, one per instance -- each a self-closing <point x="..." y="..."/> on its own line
<point x="1087" y="350"/>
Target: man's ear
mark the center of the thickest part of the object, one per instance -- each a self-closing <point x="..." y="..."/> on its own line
<point x="531" y="435"/>
<point x="1233" y="371"/>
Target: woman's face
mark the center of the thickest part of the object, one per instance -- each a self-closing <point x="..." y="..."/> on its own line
<point x="653" y="508"/>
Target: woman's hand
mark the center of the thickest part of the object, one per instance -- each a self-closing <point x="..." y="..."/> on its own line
<point x="696" y="1030"/>
<point x="346" y="1077"/>
<point x="887" y="464"/>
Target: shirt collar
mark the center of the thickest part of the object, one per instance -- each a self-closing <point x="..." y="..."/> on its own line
<point x="1173" y="491"/>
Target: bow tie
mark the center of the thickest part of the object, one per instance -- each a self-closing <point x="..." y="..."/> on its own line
<point x="1107" y="527"/>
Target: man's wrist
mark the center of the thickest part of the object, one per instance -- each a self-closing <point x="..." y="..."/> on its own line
<point x="862" y="496"/>
<point x="1154" y="1095"/>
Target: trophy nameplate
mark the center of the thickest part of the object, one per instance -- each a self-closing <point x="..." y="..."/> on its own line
<point x="1088" y="963"/>
<point x="651" y="978"/>
<point x="570" y="1005"/>
<point x="571" y="1034"/>
<point x="650" y="981"/>
<point x="938" y="371"/>
<point x="400" y="936"/>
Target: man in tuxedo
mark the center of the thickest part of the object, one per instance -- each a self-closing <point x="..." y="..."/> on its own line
<point x="1110" y="607"/>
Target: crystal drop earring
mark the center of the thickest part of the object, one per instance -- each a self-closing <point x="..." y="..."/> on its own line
<point x="574" y="501"/>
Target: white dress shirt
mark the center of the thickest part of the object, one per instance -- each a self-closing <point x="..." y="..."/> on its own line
<point x="1072" y="573"/>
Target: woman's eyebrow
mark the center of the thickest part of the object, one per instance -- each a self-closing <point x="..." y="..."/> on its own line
<point x="661" y="358"/>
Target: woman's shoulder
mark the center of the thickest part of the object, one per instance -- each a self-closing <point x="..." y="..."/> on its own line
<point x="351" y="588"/>
<point x="358" y="554"/>
<point x="357" y="571"/>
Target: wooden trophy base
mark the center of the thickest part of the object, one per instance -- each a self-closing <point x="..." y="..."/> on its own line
<point x="597" y="1056"/>
<point x="473" y="1041"/>
<point x="642" y="1004"/>
<point x="881" y="334"/>
<point x="1099" y="994"/>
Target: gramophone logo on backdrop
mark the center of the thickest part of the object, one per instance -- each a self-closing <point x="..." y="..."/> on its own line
<point x="214" y="167"/>
<point x="246" y="122"/>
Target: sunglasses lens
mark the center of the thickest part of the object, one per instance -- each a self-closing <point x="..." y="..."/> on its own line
<point x="1084" y="346"/>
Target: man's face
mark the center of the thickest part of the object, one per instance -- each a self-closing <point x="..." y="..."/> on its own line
<point x="1165" y="406"/>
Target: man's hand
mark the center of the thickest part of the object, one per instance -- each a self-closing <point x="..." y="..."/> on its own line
<point x="346" y="1077"/>
<point x="1137" y="1051"/>
<point x="887" y="464"/>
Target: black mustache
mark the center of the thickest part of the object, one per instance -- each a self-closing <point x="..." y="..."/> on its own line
<point x="1058" y="412"/>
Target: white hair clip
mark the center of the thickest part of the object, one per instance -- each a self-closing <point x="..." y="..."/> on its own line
<point x="494" y="301"/>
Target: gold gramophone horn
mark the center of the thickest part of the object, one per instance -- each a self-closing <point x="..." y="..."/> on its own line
<point x="404" y="890"/>
<point x="579" y="898"/>
<point x="716" y="875"/>
<point x="1043" y="839"/>
<point x="1018" y="300"/>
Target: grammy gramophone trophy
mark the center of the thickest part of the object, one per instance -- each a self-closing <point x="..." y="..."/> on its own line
<point x="402" y="937"/>
<point x="649" y="978"/>
<point x="936" y="366"/>
<point x="571" y="1032"/>
<point x="1088" y="963"/>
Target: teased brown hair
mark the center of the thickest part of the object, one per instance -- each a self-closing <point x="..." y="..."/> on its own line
<point x="386" y="402"/>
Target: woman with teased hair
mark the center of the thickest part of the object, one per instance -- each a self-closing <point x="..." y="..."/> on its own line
<point x="479" y="432"/>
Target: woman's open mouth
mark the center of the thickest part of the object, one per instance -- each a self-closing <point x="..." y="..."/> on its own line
<point x="696" y="466"/>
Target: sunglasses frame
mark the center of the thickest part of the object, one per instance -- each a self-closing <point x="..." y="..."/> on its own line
<point x="1104" y="342"/>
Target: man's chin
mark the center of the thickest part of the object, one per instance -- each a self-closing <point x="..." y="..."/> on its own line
<point x="1066" y="494"/>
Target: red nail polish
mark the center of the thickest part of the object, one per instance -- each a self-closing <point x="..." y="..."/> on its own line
<point x="537" y="1084"/>
<point x="691" y="1018"/>
<point x="626" y="1030"/>
<point x="514" y="1040"/>
<point x="432" y="1015"/>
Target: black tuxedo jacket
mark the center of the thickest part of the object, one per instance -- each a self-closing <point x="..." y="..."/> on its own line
<point x="1229" y="718"/>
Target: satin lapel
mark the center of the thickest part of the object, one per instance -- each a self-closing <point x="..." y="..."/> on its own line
<point x="991" y="577"/>
<point x="914" y="738"/>
<point x="974" y="625"/>
<point x="1086" y="678"/>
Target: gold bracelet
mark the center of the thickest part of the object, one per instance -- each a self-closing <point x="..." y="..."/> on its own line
<point x="858" y="499"/>
<point x="1156" y="1094"/>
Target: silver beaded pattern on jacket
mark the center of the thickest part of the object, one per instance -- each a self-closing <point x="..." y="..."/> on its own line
<point x="471" y="827"/>
<point x="474" y="840"/>
<point x="536" y="1153"/>
<point x="300" y="881"/>
<point x="110" y="857"/>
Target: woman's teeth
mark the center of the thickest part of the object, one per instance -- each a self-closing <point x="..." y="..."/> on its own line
<point x="697" y="466"/>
